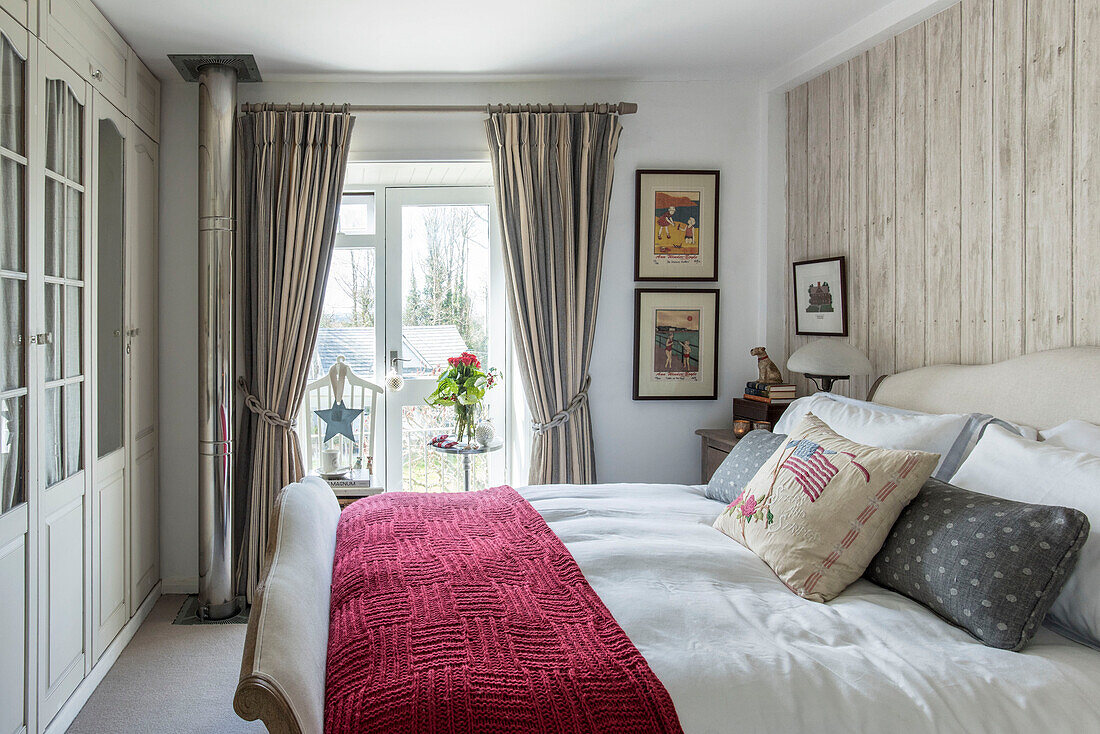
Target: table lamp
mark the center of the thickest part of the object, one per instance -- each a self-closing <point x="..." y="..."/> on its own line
<point x="829" y="360"/>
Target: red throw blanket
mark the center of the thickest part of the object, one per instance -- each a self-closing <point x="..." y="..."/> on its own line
<point x="465" y="613"/>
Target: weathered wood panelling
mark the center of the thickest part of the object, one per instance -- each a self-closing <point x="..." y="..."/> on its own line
<point x="957" y="165"/>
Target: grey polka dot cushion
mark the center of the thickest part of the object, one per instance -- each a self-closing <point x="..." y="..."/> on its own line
<point x="746" y="458"/>
<point x="991" y="566"/>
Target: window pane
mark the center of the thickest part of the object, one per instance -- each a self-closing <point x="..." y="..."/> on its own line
<point x="424" y="469"/>
<point x="11" y="327"/>
<point x="110" y="224"/>
<point x="62" y="444"/>
<point x="12" y="97"/>
<point x="63" y="236"/>
<point x="11" y="215"/>
<point x="12" y="424"/>
<point x="347" y="320"/>
<point x="63" y="323"/>
<point x="445" y="285"/>
<point x="64" y="142"/>
<point x="357" y="214"/>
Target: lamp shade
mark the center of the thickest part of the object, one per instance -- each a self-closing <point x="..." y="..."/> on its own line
<point x="829" y="357"/>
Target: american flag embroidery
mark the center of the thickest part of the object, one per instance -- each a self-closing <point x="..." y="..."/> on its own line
<point x="812" y="470"/>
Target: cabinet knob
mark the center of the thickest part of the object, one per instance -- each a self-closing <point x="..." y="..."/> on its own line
<point x="97" y="74"/>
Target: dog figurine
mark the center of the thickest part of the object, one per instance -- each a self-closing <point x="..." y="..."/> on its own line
<point x="769" y="373"/>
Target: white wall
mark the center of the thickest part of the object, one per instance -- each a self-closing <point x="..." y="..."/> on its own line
<point x="678" y="125"/>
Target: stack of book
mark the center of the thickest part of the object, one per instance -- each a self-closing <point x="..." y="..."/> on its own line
<point x="765" y="393"/>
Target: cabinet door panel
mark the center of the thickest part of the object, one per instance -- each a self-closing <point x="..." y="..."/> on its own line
<point x="13" y="634"/>
<point x="110" y="608"/>
<point x="24" y="11"/>
<point x="77" y="32"/>
<point x="144" y="550"/>
<point x="61" y="626"/>
<point x="141" y="286"/>
<point x="144" y="94"/>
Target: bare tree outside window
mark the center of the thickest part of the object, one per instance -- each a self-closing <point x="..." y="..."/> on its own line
<point x="443" y="288"/>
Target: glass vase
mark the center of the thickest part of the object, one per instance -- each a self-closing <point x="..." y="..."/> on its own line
<point x="465" y="422"/>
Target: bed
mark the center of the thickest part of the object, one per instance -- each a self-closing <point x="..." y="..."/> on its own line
<point x="735" y="649"/>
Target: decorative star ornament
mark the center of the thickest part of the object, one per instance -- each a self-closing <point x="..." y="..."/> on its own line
<point x="338" y="420"/>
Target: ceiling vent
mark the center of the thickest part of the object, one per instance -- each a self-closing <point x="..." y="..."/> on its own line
<point x="188" y="65"/>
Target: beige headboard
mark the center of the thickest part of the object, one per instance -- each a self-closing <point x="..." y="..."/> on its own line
<point x="1041" y="389"/>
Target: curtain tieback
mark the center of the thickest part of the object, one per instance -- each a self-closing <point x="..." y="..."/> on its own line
<point x="267" y="416"/>
<point x="562" y="416"/>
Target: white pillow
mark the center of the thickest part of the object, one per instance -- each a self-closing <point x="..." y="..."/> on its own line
<point x="1004" y="465"/>
<point x="1074" y="435"/>
<point x="795" y="412"/>
<point x="887" y="427"/>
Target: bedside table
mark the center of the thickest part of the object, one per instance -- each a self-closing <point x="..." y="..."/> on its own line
<point x="717" y="443"/>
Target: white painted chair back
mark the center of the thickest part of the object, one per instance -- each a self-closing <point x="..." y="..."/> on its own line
<point x="358" y="393"/>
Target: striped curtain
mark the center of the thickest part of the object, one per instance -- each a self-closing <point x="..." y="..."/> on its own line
<point x="553" y="174"/>
<point x="292" y="174"/>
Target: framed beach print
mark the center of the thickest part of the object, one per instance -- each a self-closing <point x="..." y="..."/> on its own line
<point x="676" y="225"/>
<point x="675" y="344"/>
<point x="821" y="297"/>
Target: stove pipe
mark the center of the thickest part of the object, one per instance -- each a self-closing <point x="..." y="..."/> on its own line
<point x="217" y="77"/>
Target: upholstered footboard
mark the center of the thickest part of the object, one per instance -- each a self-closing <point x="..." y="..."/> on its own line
<point x="283" y="668"/>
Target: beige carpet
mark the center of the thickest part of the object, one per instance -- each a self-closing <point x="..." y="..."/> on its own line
<point x="170" y="678"/>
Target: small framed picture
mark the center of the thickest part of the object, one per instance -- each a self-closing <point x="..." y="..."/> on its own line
<point x="676" y="225"/>
<point x="821" y="297"/>
<point x="675" y="344"/>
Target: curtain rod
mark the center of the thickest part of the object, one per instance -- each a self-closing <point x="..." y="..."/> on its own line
<point x="619" y="108"/>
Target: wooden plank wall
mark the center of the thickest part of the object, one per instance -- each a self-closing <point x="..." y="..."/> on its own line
<point x="957" y="167"/>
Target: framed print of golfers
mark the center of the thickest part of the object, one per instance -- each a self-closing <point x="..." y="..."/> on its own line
<point x="676" y="225"/>
<point x="675" y="344"/>
<point x="821" y="297"/>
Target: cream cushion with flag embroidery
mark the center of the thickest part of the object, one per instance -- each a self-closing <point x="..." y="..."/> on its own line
<point x="820" y="508"/>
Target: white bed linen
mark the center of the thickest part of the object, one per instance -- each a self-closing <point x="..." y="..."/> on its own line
<point x="740" y="653"/>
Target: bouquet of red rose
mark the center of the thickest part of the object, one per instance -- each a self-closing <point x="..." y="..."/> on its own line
<point x="464" y="385"/>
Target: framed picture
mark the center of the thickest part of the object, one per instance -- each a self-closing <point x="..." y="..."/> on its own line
<point x="821" y="297"/>
<point x="675" y="344"/>
<point x="676" y="225"/>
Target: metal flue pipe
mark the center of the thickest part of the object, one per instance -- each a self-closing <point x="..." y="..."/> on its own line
<point x="217" y="223"/>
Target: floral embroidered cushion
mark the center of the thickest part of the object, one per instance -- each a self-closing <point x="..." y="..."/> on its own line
<point x="820" y="508"/>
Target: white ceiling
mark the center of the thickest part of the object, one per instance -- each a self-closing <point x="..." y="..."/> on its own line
<point x="641" y="39"/>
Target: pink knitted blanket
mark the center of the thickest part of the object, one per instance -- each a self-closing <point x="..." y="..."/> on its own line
<point x="465" y="613"/>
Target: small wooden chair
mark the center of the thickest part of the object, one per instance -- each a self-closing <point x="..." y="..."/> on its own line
<point x="358" y="393"/>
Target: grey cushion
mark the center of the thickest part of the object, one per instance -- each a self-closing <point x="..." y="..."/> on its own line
<point x="989" y="565"/>
<point x="746" y="458"/>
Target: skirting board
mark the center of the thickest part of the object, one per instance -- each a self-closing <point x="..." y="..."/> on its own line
<point x="180" y="585"/>
<point x="83" y="692"/>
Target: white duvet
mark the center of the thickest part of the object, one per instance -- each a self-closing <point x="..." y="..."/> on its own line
<point x="738" y="652"/>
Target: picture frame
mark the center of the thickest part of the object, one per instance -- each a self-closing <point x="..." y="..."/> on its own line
<point x="819" y="308"/>
<point x="676" y="344"/>
<point x="676" y="225"/>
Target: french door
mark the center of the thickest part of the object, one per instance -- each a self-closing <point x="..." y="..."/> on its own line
<point x="416" y="277"/>
<point x="444" y="295"/>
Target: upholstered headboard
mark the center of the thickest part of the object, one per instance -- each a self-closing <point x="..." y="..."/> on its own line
<point x="1041" y="389"/>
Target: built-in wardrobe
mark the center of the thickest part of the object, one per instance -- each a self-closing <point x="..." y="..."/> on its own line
<point x="79" y="122"/>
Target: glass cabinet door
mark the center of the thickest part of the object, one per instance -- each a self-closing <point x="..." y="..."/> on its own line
<point x="62" y="435"/>
<point x="13" y="275"/>
<point x="110" y="296"/>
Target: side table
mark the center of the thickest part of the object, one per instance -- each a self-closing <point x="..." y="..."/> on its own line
<point x="468" y="452"/>
<point x="717" y="443"/>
